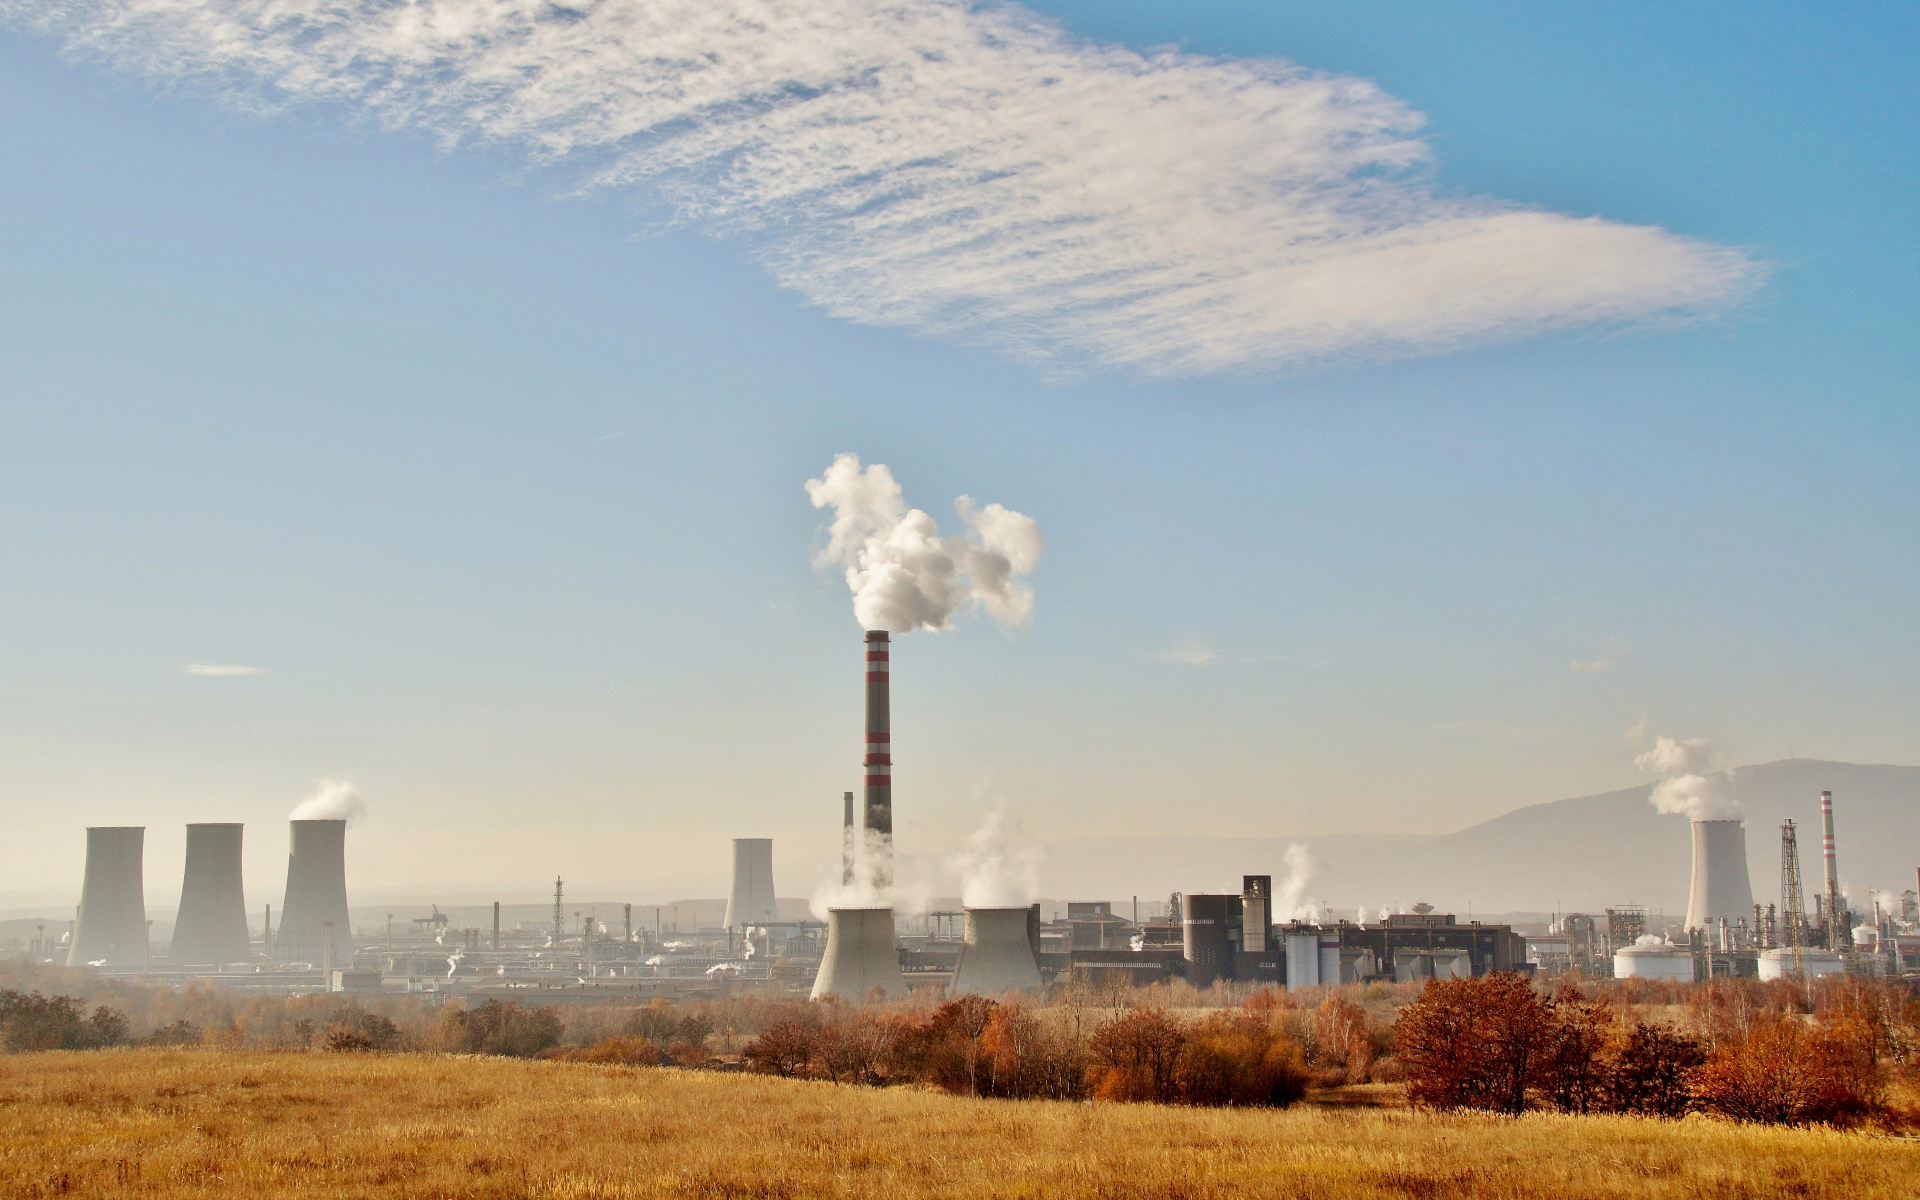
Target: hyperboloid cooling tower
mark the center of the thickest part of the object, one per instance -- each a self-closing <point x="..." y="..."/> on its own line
<point x="112" y="929"/>
<point x="997" y="956"/>
<point x="316" y="895"/>
<point x="1720" y="886"/>
<point x="751" y="900"/>
<point x="860" y="955"/>
<point x="212" y="926"/>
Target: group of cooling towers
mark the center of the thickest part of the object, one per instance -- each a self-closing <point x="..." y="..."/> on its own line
<point x="1000" y="952"/>
<point x="211" y="928"/>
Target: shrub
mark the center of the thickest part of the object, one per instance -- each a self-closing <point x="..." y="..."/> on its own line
<point x="945" y="1050"/>
<point x="613" y="1051"/>
<point x="1137" y="1056"/>
<point x="1027" y="1059"/>
<point x="1790" y="1073"/>
<point x="1651" y="1071"/>
<point x="34" y="1022"/>
<point x="1241" y="1061"/>
<point x="785" y="1048"/>
<point x="498" y="1028"/>
<point x="179" y="1033"/>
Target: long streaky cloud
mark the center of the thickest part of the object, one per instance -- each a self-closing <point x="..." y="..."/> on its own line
<point x="962" y="171"/>
<point x="222" y="669"/>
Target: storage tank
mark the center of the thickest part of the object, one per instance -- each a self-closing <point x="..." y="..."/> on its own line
<point x="860" y="956"/>
<point x="1778" y="963"/>
<point x="751" y="901"/>
<point x="1721" y="889"/>
<point x="211" y="927"/>
<point x="112" y="928"/>
<point x="997" y="955"/>
<point x="1653" y="957"/>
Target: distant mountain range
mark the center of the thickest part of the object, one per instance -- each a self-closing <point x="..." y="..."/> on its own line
<point x="1567" y="855"/>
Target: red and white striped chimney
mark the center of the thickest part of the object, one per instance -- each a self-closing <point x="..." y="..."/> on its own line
<point x="877" y="763"/>
<point x="1836" y="922"/>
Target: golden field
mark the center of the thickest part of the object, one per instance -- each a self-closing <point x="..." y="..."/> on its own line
<point x="196" y="1123"/>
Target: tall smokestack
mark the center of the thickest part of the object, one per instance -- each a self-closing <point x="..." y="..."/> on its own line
<point x="877" y="817"/>
<point x="1721" y="889"/>
<point x="316" y="894"/>
<point x="212" y="925"/>
<point x="112" y="925"/>
<point x="847" y="844"/>
<point x="751" y="901"/>
<point x="1837" y="931"/>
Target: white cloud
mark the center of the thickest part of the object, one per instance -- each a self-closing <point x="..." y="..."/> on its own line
<point x="1195" y="652"/>
<point x="962" y="171"/>
<point x="1613" y="651"/>
<point x="219" y="669"/>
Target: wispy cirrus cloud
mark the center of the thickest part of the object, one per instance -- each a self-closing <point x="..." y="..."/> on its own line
<point x="221" y="669"/>
<point x="1610" y="653"/>
<point x="1193" y="651"/>
<point x="963" y="171"/>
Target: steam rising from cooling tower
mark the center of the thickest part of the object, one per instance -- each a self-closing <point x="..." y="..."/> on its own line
<point x="903" y="573"/>
<point x="1685" y="786"/>
<point x="212" y="925"/>
<point x="112" y="928"/>
<point x="330" y="800"/>
<point x="998" y="869"/>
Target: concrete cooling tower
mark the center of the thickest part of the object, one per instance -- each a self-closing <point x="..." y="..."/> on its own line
<point x="212" y="926"/>
<point x="316" y="895"/>
<point x="751" y="900"/>
<point x="1720" y="886"/>
<point x="860" y="955"/>
<point x="997" y="956"/>
<point x="112" y="929"/>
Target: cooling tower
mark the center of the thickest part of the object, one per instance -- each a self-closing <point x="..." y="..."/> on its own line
<point x="112" y="928"/>
<point x="997" y="956"/>
<point x="1720" y="887"/>
<point x="860" y="955"/>
<point x="316" y="895"/>
<point x="877" y="763"/>
<point x="212" y="925"/>
<point x="751" y="900"/>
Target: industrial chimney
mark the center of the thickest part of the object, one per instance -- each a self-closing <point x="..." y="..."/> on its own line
<point x="877" y="816"/>
<point x="1836" y="913"/>
<point x="860" y="955"/>
<point x="316" y="895"/>
<point x="751" y="900"/>
<point x="112" y="928"/>
<point x="212" y="925"/>
<point x="1720" y="885"/>
<point x="997" y="956"/>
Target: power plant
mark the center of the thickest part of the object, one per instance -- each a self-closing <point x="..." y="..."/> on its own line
<point x="313" y="918"/>
<point x="112" y="926"/>
<point x="860" y="954"/>
<point x="211" y="927"/>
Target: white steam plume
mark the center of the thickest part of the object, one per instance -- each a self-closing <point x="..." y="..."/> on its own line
<point x="998" y="868"/>
<point x="959" y="169"/>
<point x="903" y="573"/>
<point x="1687" y="788"/>
<point x="882" y="878"/>
<point x="1290" y="901"/>
<point x="330" y="800"/>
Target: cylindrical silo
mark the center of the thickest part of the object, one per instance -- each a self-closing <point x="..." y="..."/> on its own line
<point x="1206" y="938"/>
<point x="112" y="928"/>
<point x="1720" y="884"/>
<point x="997" y="956"/>
<point x="860" y="955"/>
<point x="316" y="895"/>
<point x="212" y="925"/>
<point x="877" y="762"/>
<point x="751" y="900"/>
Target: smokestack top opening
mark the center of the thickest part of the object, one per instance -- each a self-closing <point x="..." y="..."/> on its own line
<point x="877" y="635"/>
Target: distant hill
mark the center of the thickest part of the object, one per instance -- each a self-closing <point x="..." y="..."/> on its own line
<point x="1581" y="854"/>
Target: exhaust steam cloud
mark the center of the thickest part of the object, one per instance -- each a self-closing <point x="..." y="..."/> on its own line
<point x="331" y="800"/>
<point x="1694" y="783"/>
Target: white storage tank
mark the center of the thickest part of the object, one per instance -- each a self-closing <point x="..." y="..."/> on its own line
<point x="1653" y="957"/>
<point x="1778" y="963"/>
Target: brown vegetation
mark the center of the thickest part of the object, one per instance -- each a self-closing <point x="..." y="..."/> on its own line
<point x="186" y="1125"/>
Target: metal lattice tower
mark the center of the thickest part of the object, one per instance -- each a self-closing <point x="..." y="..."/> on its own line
<point x="1790" y="893"/>
<point x="559" y="915"/>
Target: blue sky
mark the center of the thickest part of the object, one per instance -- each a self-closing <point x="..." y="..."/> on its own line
<point x="501" y="484"/>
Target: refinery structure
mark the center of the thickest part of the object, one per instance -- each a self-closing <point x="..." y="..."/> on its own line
<point x="863" y="948"/>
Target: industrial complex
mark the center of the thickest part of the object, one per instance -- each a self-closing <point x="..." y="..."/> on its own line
<point x="864" y="949"/>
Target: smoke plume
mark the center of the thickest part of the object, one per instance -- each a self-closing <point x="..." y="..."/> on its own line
<point x="1686" y="787"/>
<point x="1290" y="900"/>
<point x="882" y="878"/>
<point x="998" y="868"/>
<point x="903" y="573"/>
<point x="331" y="800"/>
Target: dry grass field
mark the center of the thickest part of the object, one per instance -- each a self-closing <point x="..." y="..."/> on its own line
<point x="262" y="1126"/>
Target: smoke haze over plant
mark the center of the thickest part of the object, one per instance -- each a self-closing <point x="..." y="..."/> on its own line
<point x="904" y="575"/>
<point x="968" y="172"/>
